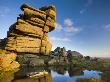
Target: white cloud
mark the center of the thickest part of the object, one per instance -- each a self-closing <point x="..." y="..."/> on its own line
<point x="68" y="22"/>
<point x="107" y="27"/>
<point x="67" y="27"/>
<point x="60" y="39"/>
<point x="4" y="11"/>
<point x="58" y="27"/>
<point x="72" y="29"/>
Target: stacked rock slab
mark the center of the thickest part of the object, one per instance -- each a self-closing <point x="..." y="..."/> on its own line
<point x="30" y="33"/>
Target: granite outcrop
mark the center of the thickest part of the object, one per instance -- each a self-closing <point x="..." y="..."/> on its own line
<point x="30" y="33"/>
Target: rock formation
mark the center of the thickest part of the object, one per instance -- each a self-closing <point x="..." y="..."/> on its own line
<point x="2" y="43"/>
<point x="61" y="54"/>
<point x="75" y="54"/>
<point x="7" y="60"/>
<point x="30" y="33"/>
<point x="61" y="51"/>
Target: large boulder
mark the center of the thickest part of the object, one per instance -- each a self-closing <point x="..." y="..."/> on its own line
<point x="30" y="33"/>
<point x="7" y="60"/>
<point x="75" y="54"/>
<point x="7" y="76"/>
<point x="26" y="58"/>
<point x="36" y="62"/>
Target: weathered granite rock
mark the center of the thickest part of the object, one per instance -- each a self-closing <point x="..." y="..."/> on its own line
<point x="75" y="54"/>
<point x="2" y="43"/>
<point x="7" y="61"/>
<point x="36" y="62"/>
<point x="7" y="76"/>
<point x="52" y="62"/>
<point x="30" y="33"/>
<point x="24" y="44"/>
<point x="29" y="29"/>
<point x="50" y="10"/>
<point x="26" y="58"/>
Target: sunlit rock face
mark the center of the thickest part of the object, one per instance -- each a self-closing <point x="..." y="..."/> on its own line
<point x="7" y="61"/>
<point x="7" y="76"/>
<point x="30" y="33"/>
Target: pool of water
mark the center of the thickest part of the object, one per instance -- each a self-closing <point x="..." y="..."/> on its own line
<point x="57" y="74"/>
<point x="67" y="78"/>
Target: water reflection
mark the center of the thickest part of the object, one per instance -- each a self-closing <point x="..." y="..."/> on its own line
<point x="75" y="71"/>
<point x="72" y="74"/>
<point x="60" y="70"/>
<point x="21" y="75"/>
<point x="56" y="74"/>
<point x="41" y="79"/>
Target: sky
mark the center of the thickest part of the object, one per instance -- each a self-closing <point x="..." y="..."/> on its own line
<point x="81" y="25"/>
